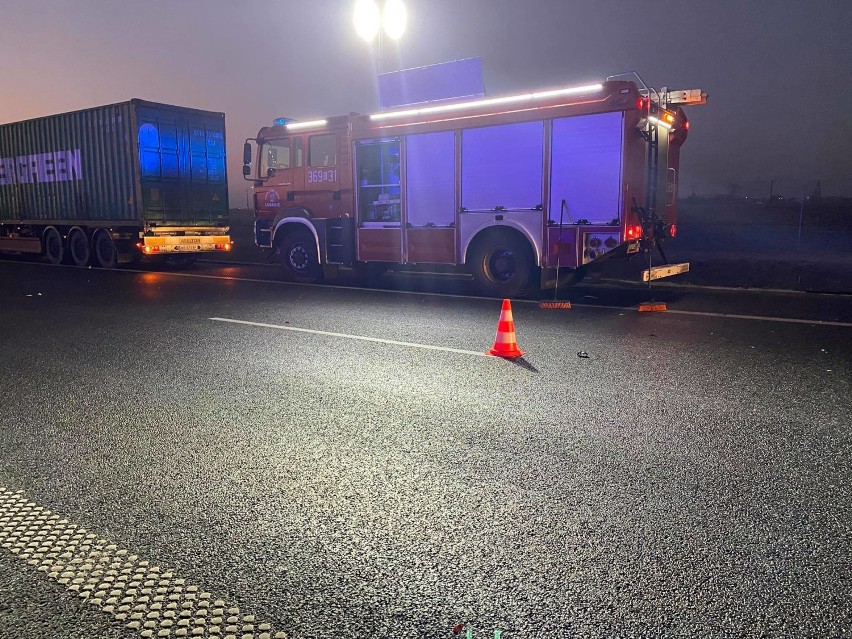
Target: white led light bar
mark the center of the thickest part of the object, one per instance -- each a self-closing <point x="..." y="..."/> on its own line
<point x="388" y="115"/>
<point x="654" y="120"/>
<point x="306" y="125"/>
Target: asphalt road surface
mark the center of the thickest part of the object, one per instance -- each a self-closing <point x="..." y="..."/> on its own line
<point x="271" y="473"/>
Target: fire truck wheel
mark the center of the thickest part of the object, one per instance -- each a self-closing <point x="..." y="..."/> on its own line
<point x="54" y="247"/>
<point x="298" y="253"/>
<point x="502" y="264"/>
<point x="78" y="247"/>
<point x="104" y="249"/>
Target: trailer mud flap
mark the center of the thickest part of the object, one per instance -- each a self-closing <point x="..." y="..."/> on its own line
<point x="659" y="272"/>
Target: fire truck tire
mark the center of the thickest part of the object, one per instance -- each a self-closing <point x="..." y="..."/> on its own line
<point x="103" y="248"/>
<point x="298" y="253"/>
<point x="502" y="264"/>
<point x="54" y="247"/>
<point x="78" y="247"/>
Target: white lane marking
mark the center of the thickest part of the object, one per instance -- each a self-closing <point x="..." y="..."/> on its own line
<point x="147" y="598"/>
<point x="763" y="318"/>
<point x="230" y="278"/>
<point x="613" y="282"/>
<point x="347" y="336"/>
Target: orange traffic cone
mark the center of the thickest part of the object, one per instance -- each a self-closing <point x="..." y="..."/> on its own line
<point x="504" y="343"/>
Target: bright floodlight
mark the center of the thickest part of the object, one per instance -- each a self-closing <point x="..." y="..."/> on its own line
<point x="395" y="18"/>
<point x="368" y="19"/>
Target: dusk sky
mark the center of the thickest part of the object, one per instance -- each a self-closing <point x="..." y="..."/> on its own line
<point x="779" y="72"/>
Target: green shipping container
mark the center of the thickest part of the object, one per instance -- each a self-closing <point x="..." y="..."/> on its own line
<point x="135" y="163"/>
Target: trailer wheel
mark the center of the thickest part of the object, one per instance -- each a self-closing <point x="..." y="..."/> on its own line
<point x="502" y="264"/>
<point x="298" y="253"/>
<point x="104" y="250"/>
<point x="54" y="247"/>
<point x="78" y="247"/>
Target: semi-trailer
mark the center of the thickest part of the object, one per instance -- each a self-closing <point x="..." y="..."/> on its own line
<point x="115" y="183"/>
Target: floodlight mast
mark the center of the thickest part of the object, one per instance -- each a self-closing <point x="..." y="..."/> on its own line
<point x="394" y="19"/>
<point x="370" y="20"/>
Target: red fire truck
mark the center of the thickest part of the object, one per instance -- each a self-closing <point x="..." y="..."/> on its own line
<point x="510" y="189"/>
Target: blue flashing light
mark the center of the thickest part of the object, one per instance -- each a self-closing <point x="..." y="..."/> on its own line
<point x="281" y="121"/>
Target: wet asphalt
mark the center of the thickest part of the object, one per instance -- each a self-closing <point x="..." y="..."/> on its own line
<point x="689" y="477"/>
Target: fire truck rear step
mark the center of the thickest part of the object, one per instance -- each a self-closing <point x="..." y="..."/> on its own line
<point x="659" y="272"/>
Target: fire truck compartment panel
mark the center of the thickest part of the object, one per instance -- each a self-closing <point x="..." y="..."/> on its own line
<point x="502" y="166"/>
<point x="562" y="247"/>
<point x="596" y="244"/>
<point x="380" y="245"/>
<point x="586" y="164"/>
<point x="430" y="183"/>
<point x="379" y="188"/>
<point x="431" y="246"/>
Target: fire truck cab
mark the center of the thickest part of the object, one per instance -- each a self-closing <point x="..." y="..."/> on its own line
<point x="510" y="189"/>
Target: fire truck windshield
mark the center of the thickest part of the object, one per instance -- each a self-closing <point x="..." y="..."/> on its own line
<point x="274" y="155"/>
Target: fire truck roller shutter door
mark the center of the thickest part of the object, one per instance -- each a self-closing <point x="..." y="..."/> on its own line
<point x="430" y="179"/>
<point x="586" y="156"/>
<point x="430" y="197"/>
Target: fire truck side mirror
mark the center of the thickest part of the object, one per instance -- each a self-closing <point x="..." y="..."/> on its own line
<point x="247" y="155"/>
<point x="246" y="169"/>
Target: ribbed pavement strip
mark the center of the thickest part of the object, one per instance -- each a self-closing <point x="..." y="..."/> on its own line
<point x="347" y="336"/>
<point x="148" y="599"/>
